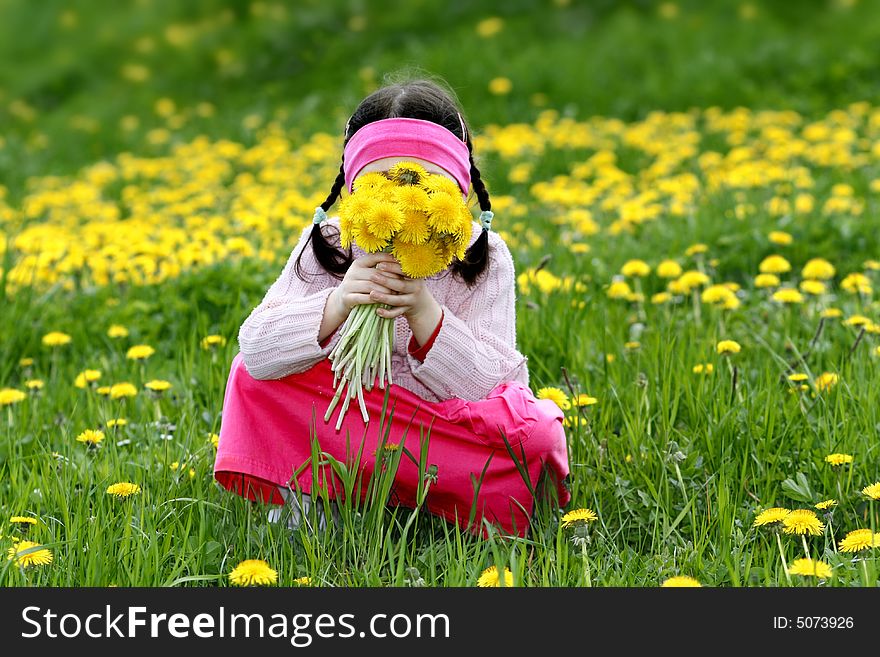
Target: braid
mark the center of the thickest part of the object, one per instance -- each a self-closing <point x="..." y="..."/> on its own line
<point x="333" y="260"/>
<point x="477" y="256"/>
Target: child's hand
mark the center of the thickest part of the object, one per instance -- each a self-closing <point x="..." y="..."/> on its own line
<point x="358" y="282"/>
<point x="407" y="296"/>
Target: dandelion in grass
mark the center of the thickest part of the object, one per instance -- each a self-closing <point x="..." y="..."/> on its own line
<point x="814" y="288"/>
<point x="23" y="522"/>
<point x="56" y="339"/>
<point x="491" y="577"/>
<point x="797" y="377"/>
<point x="253" y="572"/>
<point x="34" y="384"/>
<point x="584" y="399"/>
<point x="122" y="390"/>
<point x="635" y="268"/>
<point x="831" y="313"/>
<point x="818" y="269"/>
<point x="810" y="568"/>
<point x="857" y="320"/>
<point x="872" y="491"/>
<point x="84" y="378"/>
<point x="669" y="269"/>
<point x="771" y="517"/>
<point x="774" y="264"/>
<point x="140" y="352"/>
<point x="661" y="298"/>
<point x="826" y="505"/>
<point x="212" y="342"/>
<point x="303" y="581"/>
<point x="104" y="391"/>
<point x="215" y="440"/>
<point x="857" y="540"/>
<point x="158" y="385"/>
<point x="21" y="555"/>
<point x="696" y="249"/>
<point x="836" y="460"/>
<point x="9" y="396"/>
<point x="578" y="516"/>
<point x="766" y="280"/>
<point x="726" y="347"/>
<point x="826" y="381"/>
<point x="788" y="295"/>
<point x="681" y="581"/>
<point x="91" y="437"/>
<point x="632" y="345"/>
<point x="780" y="237"/>
<point x="555" y="395"/>
<point x="123" y="489"/>
<point x="117" y="331"/>
<point x="25" y="362"/>
<point x="619" y="290"/>
<point x="117" y="422"/>
<point x="802" y="522"/>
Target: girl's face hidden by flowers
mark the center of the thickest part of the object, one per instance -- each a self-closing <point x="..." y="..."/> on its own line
<point x="386" y="163"/>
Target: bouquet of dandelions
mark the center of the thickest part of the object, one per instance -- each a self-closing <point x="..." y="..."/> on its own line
<point x="420" y="218"/>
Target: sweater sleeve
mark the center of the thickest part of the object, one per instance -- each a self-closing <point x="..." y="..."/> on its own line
<point x="280" y="336"/>
<point x="475" y="349"/>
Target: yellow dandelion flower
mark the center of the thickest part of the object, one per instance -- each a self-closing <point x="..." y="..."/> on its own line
<point x="490" y="577"/>
<point x="635" y="268"/>
<point x="489" y="27"/>
<point x="692" y="279"/>
<point x="633" y="344"/>
<point x="770" y="517"/>
<point x="444" y="213"/>
<point x="661" y="298"/>
<point x="104" y="390"/>
<point x="437" y="184"/>
<point x="253" y="572"/>
<point x="818" y="269"/>
<point x="500" y="86"/>
<point x="814" y="288"/>
<point x="11" y="396"/>
<point x="669" y="269"/>
<point x="22" y="520"/>
<point x="826" y="380"/>
<point x="788" y="295"/>
<point x="123" y="489"/>
<point x="84" y="378"/>
<point x="33" y="384"/>
<point x="139" y="352"/>
<point x="411" y="198"/>
<point x="797" y="377"/>
<point x="703" y="368"/>
<point x="368" y="241"/>
<point x="556" y="395"/>
<point x="872" y="265"/>
<point x="353" y="212"/>
<point x="407" y="173"/>
<point x="215" y="440"/>
<point x="831" y="313"/>
<point x="856" y="283"/>
<point x="717" y="294"/>
<point x="578" y="515"/>
<point x="419" y="260"/>
<point x="158" y="385"/>
<point x="681" y="581"/>
<point x="211" y="341"/>
<point x="827" y="504"/>
<point x="872" y="491"/>
<point x="303" y="581"/>
<point x="117" y="422"/>
<point x="780" y="237"/>
<point x="810" y="568"/>
<point x="857" y="320"/>
<point x="837" y="459"/>
<point x="90" y="436"/>
<point x="119" y="390"/>
<point x="371" y="181"/>
<point x="774" y="264"/>
<point x="27" y="553"/>
<point x="696" y="249"/>
<point x="802" y="521"/>
<point x="619" y="290"/>
<point x="856" y="540"/>
<point x="728" y="347"/>
<point x="583" y="400"/>
<point x="415" y="228"/>
<point x="766" y="280"/>
<point x="25" y="362"/>
<point x="117" y="331"/>
<point x="56" y="339"/>
<point x="384" y="219"/>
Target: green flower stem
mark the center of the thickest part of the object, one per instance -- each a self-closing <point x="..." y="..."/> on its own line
<point x="782" y="556"/>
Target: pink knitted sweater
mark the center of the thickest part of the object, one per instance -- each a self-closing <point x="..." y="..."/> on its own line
<point x="474" y="351"/>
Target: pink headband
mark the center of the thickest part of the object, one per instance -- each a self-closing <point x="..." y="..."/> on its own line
<point x="403" y="137"/>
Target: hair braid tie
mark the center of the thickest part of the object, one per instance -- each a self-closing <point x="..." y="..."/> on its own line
<point x="486" y="219"/>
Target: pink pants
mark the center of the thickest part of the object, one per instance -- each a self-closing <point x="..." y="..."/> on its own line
<point x="267" y="425"/>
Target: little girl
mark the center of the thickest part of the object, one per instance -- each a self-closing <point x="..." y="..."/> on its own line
<point x="455" y="366"/>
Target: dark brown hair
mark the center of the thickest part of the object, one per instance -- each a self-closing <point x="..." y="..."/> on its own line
<point x="414" y="99"/>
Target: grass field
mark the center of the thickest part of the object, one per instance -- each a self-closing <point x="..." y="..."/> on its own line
<point x="675" y="180"/>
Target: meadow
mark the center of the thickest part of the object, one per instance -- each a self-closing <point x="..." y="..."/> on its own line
<point x="694" y="222"/>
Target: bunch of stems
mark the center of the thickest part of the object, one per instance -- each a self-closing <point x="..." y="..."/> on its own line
<point x="362" y="353"/>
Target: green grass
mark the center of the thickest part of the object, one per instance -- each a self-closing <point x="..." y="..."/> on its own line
<point x="676" y="464"/>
